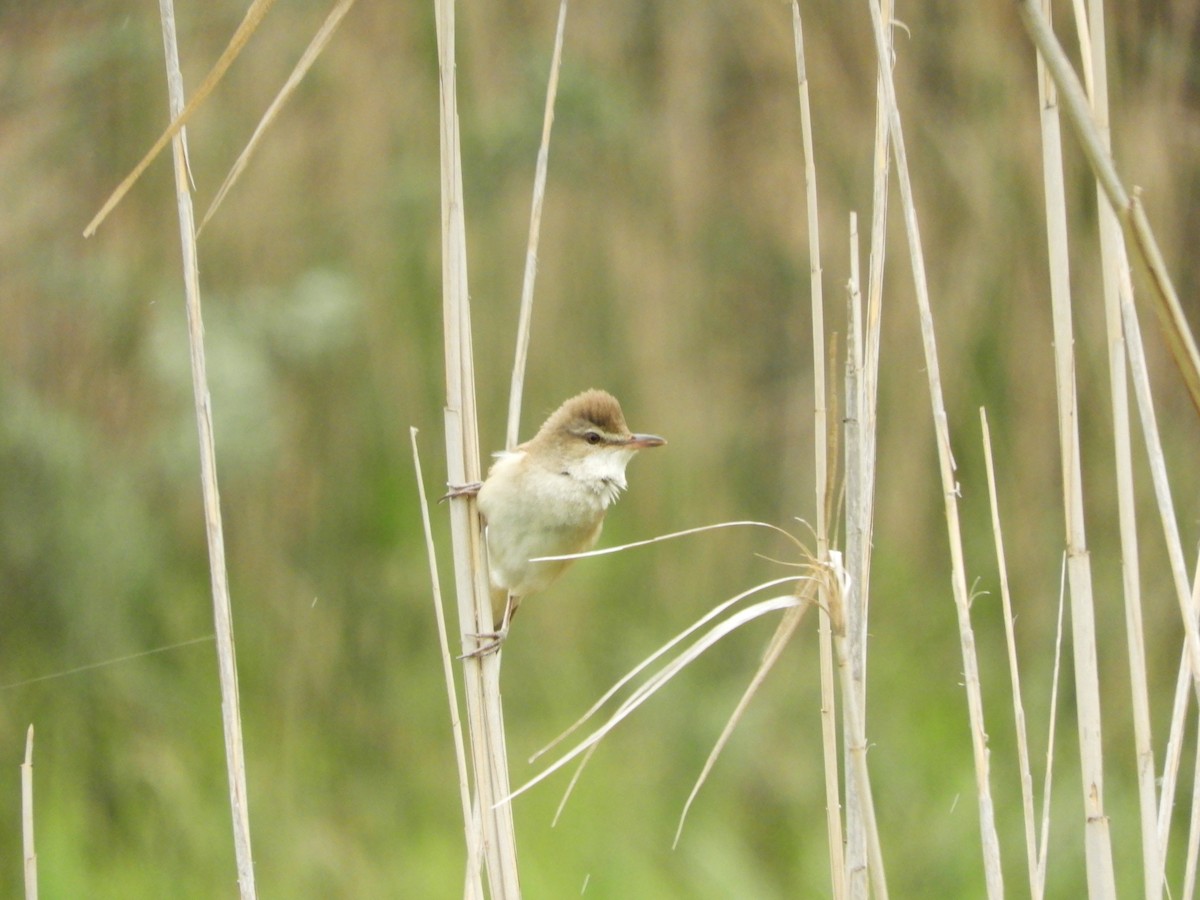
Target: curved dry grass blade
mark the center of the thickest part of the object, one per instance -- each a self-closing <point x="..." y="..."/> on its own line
<point x="315" y="46"/>
<point x="779" y="640"/>
<point x="629" y="676"/>
<point x="657" y="681"/>
<point x="604" y="551"/>
<point x="250" y="22"/>
<point x="535" y="230"/>
<point x="562" y="804"/>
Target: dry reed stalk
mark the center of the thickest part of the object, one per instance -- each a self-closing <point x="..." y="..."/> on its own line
<point x="481" y="675"/>
<point x="474" y="886"/>
<point x="222" y="612"/>
<point x="989" y="839"/>
<point x="30" y="853"/>
<point x="1128" y="207"/>
<point x="1036" y="889"/>
<point x="1097" y="841"/>
<point x="1116" y="292"/>
<point x="821" y="480"/>
<point x="535" y="230"/>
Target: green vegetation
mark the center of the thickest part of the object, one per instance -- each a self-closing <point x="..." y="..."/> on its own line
<point x="674" y="272"/>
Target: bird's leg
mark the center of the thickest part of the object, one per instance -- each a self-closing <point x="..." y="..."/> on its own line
<point x="494" y="639"/>
<point x="461" y="490"/>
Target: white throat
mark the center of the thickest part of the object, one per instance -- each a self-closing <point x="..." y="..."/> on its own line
<point x="603" y="473"/>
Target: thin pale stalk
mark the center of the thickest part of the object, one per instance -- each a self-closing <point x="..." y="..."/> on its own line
<point x="1114" y="261"/>
<point x="833" y="818"/>
<point x="231" y="715"/>
<point x="1035" y="889"/>
<point x="481" y="675"/>
<point x="1048" y="782"/>
<point x="30" y="852"/>
<point x="1193" y="845"/>
<point x="535" y="230"/>
<point x="474" y="887"/>
<point x="1174" y="751"/>
<point x="987" y="824"/>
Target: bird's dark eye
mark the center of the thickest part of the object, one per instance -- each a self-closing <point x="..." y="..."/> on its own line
<point x="592" y="438"/>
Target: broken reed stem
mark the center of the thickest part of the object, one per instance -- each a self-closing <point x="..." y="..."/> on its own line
<point x="31" y="886"/>
<point x="481" y="675"/>
<point x="833" y="817"/>
<point x="1035" y="889"/>
<point x="989" y="839"/>
<point x="1098" y="846"/>
<point x="474" y="887"/>
<point x="535" y="230"/>
<point x="222" y="611"/>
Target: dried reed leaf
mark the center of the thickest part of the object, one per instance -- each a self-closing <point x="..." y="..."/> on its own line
<point x="253" y="18"/>
<point x="315" y="46"/>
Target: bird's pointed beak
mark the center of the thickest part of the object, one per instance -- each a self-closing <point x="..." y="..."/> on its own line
<point x="641" y="441"/>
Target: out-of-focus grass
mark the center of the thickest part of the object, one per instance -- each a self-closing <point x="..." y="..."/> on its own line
<point x="673" y="271"/>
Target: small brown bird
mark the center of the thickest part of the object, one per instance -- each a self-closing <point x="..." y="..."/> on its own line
<point x="548" y="497"/>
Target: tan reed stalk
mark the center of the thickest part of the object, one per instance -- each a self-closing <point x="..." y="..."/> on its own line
<point x="989" y="839"/>
<point x="474" y="886"/>
<point x="833" y="816"/>
<point x="30" y="853"/>
<point x="1036" y="888"/>
<point x="222" y="612"/>
<point x="481" y="675"/>
<point x="1115" y="261"/>
<point x="1097" y="841"/>
<point x="535" y="231"/>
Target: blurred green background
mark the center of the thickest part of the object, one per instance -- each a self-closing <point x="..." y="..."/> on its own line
<point x="674" y="272"/>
